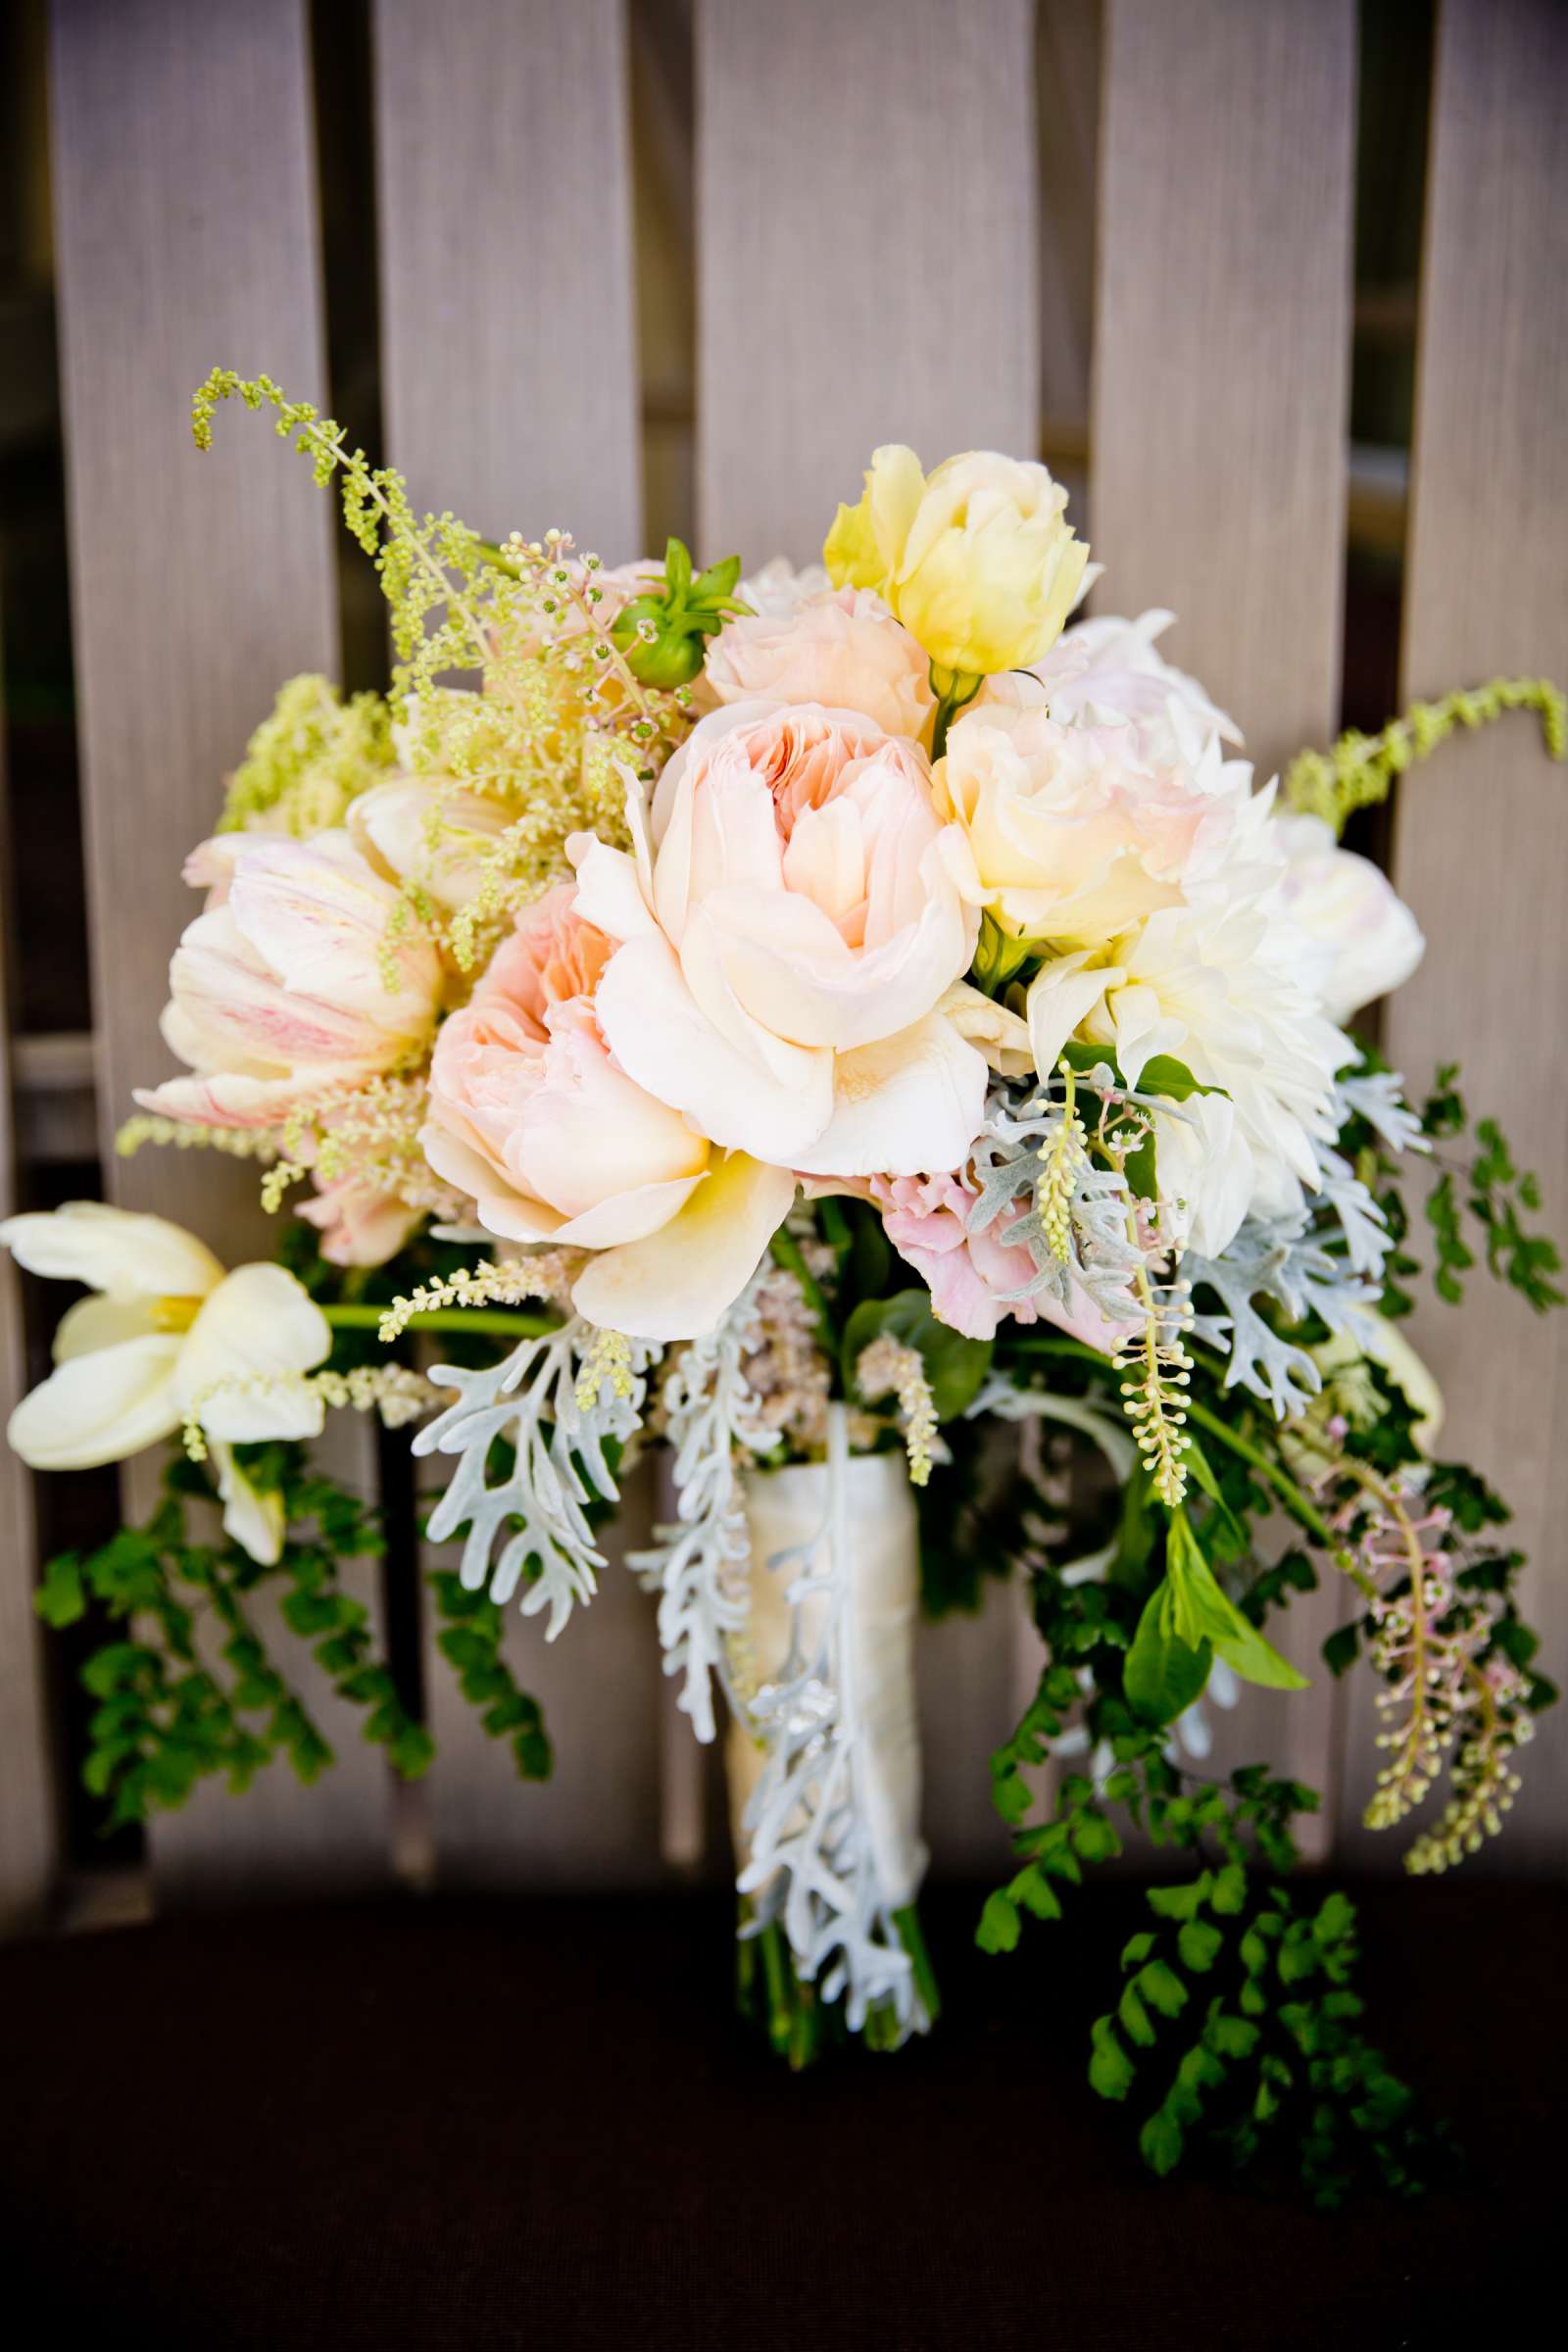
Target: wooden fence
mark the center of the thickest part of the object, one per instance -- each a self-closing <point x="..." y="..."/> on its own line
<point x="872" y="183"/>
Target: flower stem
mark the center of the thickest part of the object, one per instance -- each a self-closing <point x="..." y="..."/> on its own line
<point x="908" y="1922"/>
<point x="505" y="1322"/>
<point x="786" y="1250"/>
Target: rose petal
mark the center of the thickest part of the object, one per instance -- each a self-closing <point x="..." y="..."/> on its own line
<point x="677" y="1283"/>
<point x="908" y="1106"/>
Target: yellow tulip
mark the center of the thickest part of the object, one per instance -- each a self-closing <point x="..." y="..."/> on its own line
<point x="976" y="559"/>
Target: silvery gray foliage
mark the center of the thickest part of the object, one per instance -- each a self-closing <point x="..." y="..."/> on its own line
<point x="529" y="1400"/>
<point x="1017" y="1136"/>
<point x="1378" y="1097"/>
<point x="1327" y="1260"/>
<point x="698" y="1564"/>
<point x="1283" y="1261"/>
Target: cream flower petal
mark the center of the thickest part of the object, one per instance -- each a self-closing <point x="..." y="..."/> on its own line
<point x="656" y="1030"/>
<point x="1001" y="1037"/>
<point x="629" y="1216"/>
<point x="502" y="1211"/>
<point x="285" y="1408"/>
<point x="240" y="1362"/>
<point x="100" y="1408"/>
<point x="1061" y="996"/>
<point x="909" y="1105"/>
<point x="98" y="1322"/>
<point x="790" y="968"/>
<point x="610" y="889"/>
<point x="254" y="1520"/>
<point x="115" y="1251"/>
<point x="678" y="1282"/>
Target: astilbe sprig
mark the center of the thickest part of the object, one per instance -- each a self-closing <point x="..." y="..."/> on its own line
<point x="1360" y="769"/>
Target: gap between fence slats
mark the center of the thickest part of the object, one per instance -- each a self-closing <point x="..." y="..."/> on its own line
<point x="28" y="1811"/>
<point x="867" y="272"/>
<point x="1481" y="845"/>
<point x="509" y="380"/>
<point x="1220" y="389"/>
<point x="187" y="234"/>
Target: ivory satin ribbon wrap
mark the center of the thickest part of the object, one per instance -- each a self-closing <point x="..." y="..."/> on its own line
<point x="862" y="1508"/>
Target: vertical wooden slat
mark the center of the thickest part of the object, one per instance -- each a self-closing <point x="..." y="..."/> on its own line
<point x="1222" y="344"/>
<point x="27" y="1814"/>
<point x="866" y="235"/>
<point x="186" y="234"/>
<point x="510" y="386"/>
<point x="508" y="338"/>
<point x="1482" y="838"/>
<point x="866" y="251"/>
<point x="1219" y="410"/>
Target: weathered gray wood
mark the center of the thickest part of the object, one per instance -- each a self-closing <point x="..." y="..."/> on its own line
<point x="599" y="1820"/>
<point x="507" y="337"/>
<point x="1218" y="464"/>
<point x="510" y="381"/>
<point x="187" y="234"/>
<point x="1482" y="836"/>
<point x="866" y="251"/>
<point x="867" y="239"/>
<point x="1222" y="344"/>
<point x="29" y="1843"/>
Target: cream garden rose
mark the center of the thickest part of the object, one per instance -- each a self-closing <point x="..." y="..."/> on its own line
<point x="288" y="985"/>
<point x="977" y="561"/>
<point x="1074" y="834"/>
<point x="785" y="940"/>
<point x="543" y="1129"/>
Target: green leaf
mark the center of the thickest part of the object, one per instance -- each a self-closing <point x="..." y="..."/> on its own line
<point x="1198" y="1941"/>
<point x="1163" y="1674"/>
<point x="60" y="1599"/>
<point x="1160" y="2141"/>
<point x="1229" y="1892"/>
<point x="1135" y="2020"/>
<point x="1229" y="2036"/>
<point x="1163" y="1988"/>
<point x="955" y="1366"/>
<point x="1110" y="2070"/>
<point x="1178" y="1902"/>
<point x="1034" y="1891"/>
<point x="1342" y="1648"/>
<point x="999" y="1925"/>
<point x="1163" y="1074"/>
<point x="1200" y="1609"/>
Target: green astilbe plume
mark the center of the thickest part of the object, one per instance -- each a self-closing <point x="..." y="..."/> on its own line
<point x="1360" y="769"/>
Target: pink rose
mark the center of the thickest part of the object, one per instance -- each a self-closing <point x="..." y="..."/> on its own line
<point x="285" y="987"/>
<point x="786" y="944"/>
<point x="534" y="1118"/>
<point x="971" y="1275"/>
<point x="529" y="1114"/>
<point x="844" y="650"/>
<point x="360" y="1224"/>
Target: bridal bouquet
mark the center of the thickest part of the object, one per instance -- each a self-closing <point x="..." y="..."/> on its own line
<point x="814" y="1021"/>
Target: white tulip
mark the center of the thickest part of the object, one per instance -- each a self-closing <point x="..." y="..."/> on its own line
<point x="167" y="1338"/>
